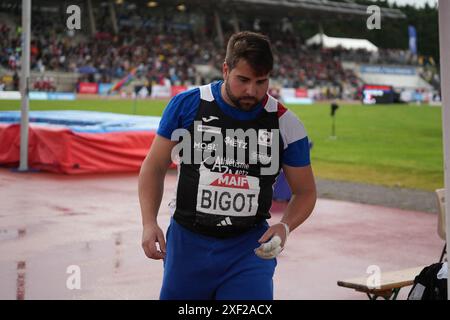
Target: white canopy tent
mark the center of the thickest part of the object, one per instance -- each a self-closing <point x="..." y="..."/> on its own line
<point x="345" y="43"/>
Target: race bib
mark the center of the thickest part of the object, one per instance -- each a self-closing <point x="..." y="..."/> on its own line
<point x="227" y="194"/>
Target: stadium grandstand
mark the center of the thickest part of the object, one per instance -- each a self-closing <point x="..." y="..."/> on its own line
<point x="165" y="47"/>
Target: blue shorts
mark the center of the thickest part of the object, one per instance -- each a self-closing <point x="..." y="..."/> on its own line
<point x="198" y="267"/>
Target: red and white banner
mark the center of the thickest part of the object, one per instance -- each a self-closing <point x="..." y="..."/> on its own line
<point x="161" y="92"/>
<point x="177" y="89"/>
<point x="301" y="93"/>
<point x="88" y="87"/>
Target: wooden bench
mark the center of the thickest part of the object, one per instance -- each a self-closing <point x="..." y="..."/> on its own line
<point x="390" y="283"/>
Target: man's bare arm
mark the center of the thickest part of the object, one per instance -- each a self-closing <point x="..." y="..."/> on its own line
<point x="303" y="187"/>
<point x="304" y="195"/>
<point x="151" y="188"/>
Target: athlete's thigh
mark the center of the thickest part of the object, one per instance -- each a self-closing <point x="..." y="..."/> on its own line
<point x="252" y="282"/>
<point x="186" y="270"/>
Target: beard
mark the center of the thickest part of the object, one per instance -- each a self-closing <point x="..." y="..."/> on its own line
<point x="246" y="103"/>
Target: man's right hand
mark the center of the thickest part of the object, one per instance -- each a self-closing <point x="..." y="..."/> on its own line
<point x="152" y="234"/>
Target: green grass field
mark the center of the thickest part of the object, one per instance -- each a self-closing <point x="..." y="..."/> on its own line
<point x="390" y="145"/>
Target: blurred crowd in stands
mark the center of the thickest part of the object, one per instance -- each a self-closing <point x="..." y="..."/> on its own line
<point x="173" y="56"/>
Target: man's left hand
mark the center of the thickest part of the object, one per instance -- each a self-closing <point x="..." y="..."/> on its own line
<point x="270" y="249"/>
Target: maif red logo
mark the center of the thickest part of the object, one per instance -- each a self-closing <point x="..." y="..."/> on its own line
<point x="229" y="180"/>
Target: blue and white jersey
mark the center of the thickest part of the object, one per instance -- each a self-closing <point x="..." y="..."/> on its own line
<point x="232" y="192"/>
<point x="181" y="111"/>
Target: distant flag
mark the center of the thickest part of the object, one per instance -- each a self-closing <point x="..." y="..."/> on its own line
<point x="412" y="39"/>
<point x="124" y="81"/>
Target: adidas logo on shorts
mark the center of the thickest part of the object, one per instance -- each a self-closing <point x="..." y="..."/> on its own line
<point x="225" y="222"/>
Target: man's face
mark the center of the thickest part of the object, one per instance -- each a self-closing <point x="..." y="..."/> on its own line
<point x="243" y="88"/>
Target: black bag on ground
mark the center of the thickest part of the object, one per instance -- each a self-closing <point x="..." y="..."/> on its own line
<point x="427" y="286"/>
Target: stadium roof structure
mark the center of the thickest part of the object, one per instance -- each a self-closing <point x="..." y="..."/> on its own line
<point x="318" y="6"/>
<point x="289" y="8"/>
<point x="345" y="43"/>
<point x="294" y="7"/>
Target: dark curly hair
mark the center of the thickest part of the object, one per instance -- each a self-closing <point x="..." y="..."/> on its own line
<point x="254" y="48"/>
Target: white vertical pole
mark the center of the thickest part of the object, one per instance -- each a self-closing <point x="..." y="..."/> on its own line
<point x="91" y="18"/>
<point x="25" y="65"/>
<point x="235" y="22"/>
<point x="444" y="51"/>
<point x="218" y="27"/>
<point x="112" y="12"/>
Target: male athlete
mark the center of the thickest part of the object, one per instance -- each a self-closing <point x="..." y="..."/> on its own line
<point x="235" y="139"/>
